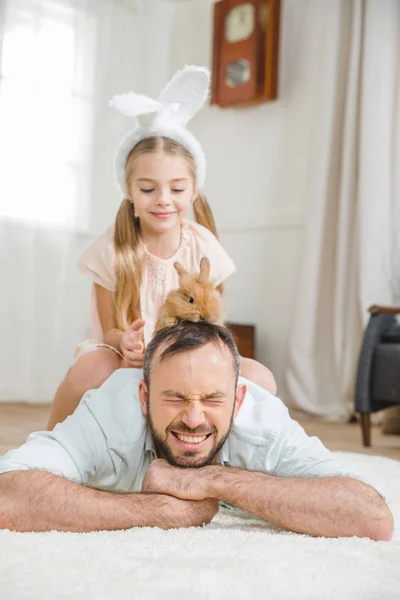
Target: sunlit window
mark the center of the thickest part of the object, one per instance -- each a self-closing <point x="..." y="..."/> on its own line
<point x="47" y="52"/>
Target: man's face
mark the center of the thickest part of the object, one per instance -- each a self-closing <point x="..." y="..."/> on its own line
<point x="191" y="403"/>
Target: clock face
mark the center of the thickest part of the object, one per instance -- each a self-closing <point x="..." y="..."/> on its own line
<point x="240" y="22"/>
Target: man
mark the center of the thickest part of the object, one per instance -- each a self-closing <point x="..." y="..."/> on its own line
<point x="215" y="441"/>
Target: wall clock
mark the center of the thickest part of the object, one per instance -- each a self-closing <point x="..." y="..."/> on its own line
<point x="245" y="51"/>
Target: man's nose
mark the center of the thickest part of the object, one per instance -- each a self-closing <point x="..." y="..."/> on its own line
<point x="193" y="416"/>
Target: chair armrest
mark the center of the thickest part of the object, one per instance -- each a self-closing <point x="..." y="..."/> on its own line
<point x="384" y="310"/>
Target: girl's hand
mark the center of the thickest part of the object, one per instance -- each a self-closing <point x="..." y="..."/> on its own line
<point x="132" y="346"/>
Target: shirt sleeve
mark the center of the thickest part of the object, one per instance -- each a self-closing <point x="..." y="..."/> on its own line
<point x="283" y="448"/>
<point x="296" y="454"/>
<point x="222" y="266"/>
<point x="98" y="260"/>
<point x="76" y="449"/>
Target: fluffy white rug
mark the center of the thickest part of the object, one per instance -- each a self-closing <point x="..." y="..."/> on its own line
<point x="236" y="556"/>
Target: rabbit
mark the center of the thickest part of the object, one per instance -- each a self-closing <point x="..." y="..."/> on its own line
<point x="196" y="299"/>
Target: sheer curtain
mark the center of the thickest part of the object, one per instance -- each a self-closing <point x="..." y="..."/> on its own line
<point x="60" y="63"/>
<point x="354" y="203"/>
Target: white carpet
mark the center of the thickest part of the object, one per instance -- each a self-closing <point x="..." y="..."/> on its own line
<point x="236" y="556"/>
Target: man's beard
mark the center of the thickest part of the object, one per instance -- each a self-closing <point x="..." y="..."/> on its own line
<point x="190" y="458"/>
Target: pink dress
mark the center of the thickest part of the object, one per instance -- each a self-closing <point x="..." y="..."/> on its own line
<point x="159" y="276"/>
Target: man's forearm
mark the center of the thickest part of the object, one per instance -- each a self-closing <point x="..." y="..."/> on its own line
<point x="40" y="501"/>
<point x="330" y="506"/>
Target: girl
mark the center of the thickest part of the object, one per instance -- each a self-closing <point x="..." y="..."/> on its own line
<point x="160" y="169"/>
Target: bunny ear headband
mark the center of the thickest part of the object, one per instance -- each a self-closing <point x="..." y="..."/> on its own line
<point x="179" y="101"/>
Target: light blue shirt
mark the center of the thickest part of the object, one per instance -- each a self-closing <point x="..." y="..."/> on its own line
<point x="106" y="443"/>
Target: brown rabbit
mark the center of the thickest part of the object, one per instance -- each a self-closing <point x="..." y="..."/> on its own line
<point x="196" y="299"/>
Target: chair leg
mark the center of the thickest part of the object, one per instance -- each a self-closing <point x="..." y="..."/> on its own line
<point x="366" y="428"/>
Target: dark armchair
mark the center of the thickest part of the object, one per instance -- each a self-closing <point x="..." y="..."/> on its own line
<point x="378" y="376"/>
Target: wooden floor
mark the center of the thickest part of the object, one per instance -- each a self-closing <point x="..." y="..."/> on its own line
<point x="18" y="420"/>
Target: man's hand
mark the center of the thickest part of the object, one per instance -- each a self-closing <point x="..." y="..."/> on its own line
<point x="188" y="484"/>
<point x="186" y="489"/>
<point x="186" y="513"/>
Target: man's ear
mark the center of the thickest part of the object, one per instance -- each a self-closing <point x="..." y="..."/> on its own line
<point x="241" y="392"/>
<point x="143" y="397"/>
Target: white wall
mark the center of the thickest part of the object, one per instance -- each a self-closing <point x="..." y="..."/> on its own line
<point x="258" y="162"/>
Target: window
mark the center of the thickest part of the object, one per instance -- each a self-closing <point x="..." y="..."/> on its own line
<point x="47" y="58"/>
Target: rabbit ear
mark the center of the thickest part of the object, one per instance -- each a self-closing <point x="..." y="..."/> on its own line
<point x="186" y="92"/>
<point x="204" y="269"/>
<point x="181" y="270"/>
<point x="133" y="105"/>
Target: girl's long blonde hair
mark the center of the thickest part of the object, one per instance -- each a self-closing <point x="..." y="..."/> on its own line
<point x="127" y="233"/>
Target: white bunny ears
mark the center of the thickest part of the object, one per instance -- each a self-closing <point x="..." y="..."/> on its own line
<point x="179" y="101"/>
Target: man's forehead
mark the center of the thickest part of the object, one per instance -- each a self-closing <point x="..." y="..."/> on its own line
<point x="212" y="350"/>
<point x="201" y="369"/>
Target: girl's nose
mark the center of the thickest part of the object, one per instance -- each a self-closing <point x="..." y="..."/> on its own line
<point x="163" y="197"/>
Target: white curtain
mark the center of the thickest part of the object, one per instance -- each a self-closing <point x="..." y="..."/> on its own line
<point x="60" y="63"/>
<point x="354" y="202"/>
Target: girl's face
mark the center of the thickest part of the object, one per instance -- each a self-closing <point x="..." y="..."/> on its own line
<point x="161" y="190"/>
